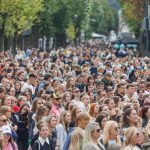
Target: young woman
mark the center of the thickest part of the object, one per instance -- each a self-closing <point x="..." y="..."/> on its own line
<point x="86" y="100"/>
<point x="7" y="141"/>
<point x="91" y="136"/>
<point x="62" y="127"/>
<point x="43" y="142"/>
<point x="132" y="135"/>
<point x="111" y="134"/>
<point x="17" y="89"/>
<point x="21" y="120"/>
<point x="94" y="110"/>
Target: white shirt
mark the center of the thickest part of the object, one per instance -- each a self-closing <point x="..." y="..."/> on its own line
<point x="42" y="141"/>
<point x="27" y="86"/>
<point x="130" y="147"/>
<point x="79" y="104"/>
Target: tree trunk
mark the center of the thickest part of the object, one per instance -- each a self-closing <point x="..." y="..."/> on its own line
<point x="1" y="39"/>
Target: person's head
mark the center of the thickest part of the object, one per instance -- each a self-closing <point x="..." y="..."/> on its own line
<point x="42" y="111"/>
<point x="140" y="93"/>
<point x="12" y="91"/>
<point x="3" y="120"/>
<point x="110" y="92"/>
<point x="76" y="139"/>
<point x="135" y="103"/>
<point x="121" y="88"/>
<point x="129" y="117"/>
<point x="101" y="119"/>
<point x="67" y="97"/>
<point x="2" y="92"/>
<point x="85" y="99"/>
<point x="130" y="89"/>
<point x="52" y="121"/>
<point x="17" y="86"/>
<point x="6" y="101"/>
<point x="99" y="85"/>
<point x="76" y="93"/>
<point x="32" y="78"/>
<point x="21" y="100"/>
<point x="37" y="102"/>
<point x="43" y="130"/>
<point x="132" y="135"/>
<point x="142" y="136"/>
<point x="5" y="82"/>
<point x="94" y="109"/>
<point x="111" y="131"/>
<point x="114" y="147"/>
<point x="6" y="110"/>
<point x="75" y="113"/>
<point x="110" y="103"/>
<point x="24" y="110"/>
<point x="146" y="112"/>
<point x="82" y="120"/>
<point x="56" y="98"/>
<point x="108" y="76"/>
<point x="91" y="133"/>
<point x="65" y="119"/>
<point x="7" y="134"/>
<point x="40" y="93"/>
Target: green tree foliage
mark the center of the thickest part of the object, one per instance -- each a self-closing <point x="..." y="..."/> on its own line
<point x="133" y="11"/>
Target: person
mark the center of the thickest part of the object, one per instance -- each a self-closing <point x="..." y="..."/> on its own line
<point x="91" y="136"/>
<point x="21" y="120"/>
<point x="7" y="141"/>
<point x="76" y="139"/>
<point x="82" y="121"/>
<point x="63" y="127"/>
<point x="111" y="134"/>
<point x="131" y="135"/>
<point x="43" y="142"/>
<point x="145" y="115"/>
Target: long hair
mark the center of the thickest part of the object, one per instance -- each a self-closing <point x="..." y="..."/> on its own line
<point x="34" y="104"/>
<point x="129" y="135"/>
<point x="87" y="134"/>
<point x="76" y="139"/>
<point x="62" y="120"/>
<point x="106" y="132"/>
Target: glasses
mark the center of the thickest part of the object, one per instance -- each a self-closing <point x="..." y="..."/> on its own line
<point x="4" y="120"/>
<point x="98" y="130"/>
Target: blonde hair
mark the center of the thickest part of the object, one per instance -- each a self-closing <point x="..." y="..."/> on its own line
<point x="107" y="134"/>
<point x="129" y="133"/>
<point x="87" y="134"/>
<point x="76" y="139"/>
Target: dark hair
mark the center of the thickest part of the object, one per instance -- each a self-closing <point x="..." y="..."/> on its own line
<point x="99" y="119"/>
<point x="144" y="110"/>
<point x="34" y="104"/>
<point x="23" y="107"/>
<point x="32" y="75"/>
<point x="125" y="120"/>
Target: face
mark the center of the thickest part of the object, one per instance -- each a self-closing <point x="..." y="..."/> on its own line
<point x="86" y="100"/>
<point x="103" y="122"/>
<point x="8" y="113"/>
<point x="148" y="113"/>
<point x="78" y="112"/>
<point x="105" y="108"/>
<point x="135" y="138"/>
<point x="96" y="133"/>
<point x="111" y="104"/>
<point x="114" y="130"/>
<point x="84" y="122"/>
<point x="68" y="97"/>
<point x="18" y="86"/>
<point x="133" y="116"/>
<point x="12" y="92"/>
<point x="25" y="110"/>
<point x="108" y="78"/>
<point x="96" y="109"/>
<point x="77" y="93"/>
<point x="7" y="101"/>
<point x="131" y="90"/>
<point x="68" y="117"/>
<point x="39" y="103"/>
<point x="122" y="90"/>
<point x="53" y="122"/>
<point x="6" y="136"/>
<point x="141" y="138"/>
<point x="44" y="132"/>
<point x="3" y="120"/>
<point x="135" y="103"/>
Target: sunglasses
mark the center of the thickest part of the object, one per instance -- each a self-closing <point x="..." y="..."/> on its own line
<point x="98" y="130"/>
<point x="4" y="120"/>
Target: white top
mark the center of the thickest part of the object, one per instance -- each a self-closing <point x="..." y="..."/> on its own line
<point x="27" y="86"/>
<point x="79" y="104"/>
<point x="130" y="147"/>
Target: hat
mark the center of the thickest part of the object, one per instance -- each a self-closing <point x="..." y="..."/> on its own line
<point x="56" y="95"/>
<point x="6" y="129"/>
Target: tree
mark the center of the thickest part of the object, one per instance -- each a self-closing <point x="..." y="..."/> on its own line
<point x="133" y="11"/>
<point x="19" y="16"/>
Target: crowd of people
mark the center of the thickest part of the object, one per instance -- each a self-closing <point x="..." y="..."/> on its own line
<point x="81" y="98"/>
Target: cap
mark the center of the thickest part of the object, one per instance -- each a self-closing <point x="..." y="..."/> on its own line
<point x="6" y="129"/>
